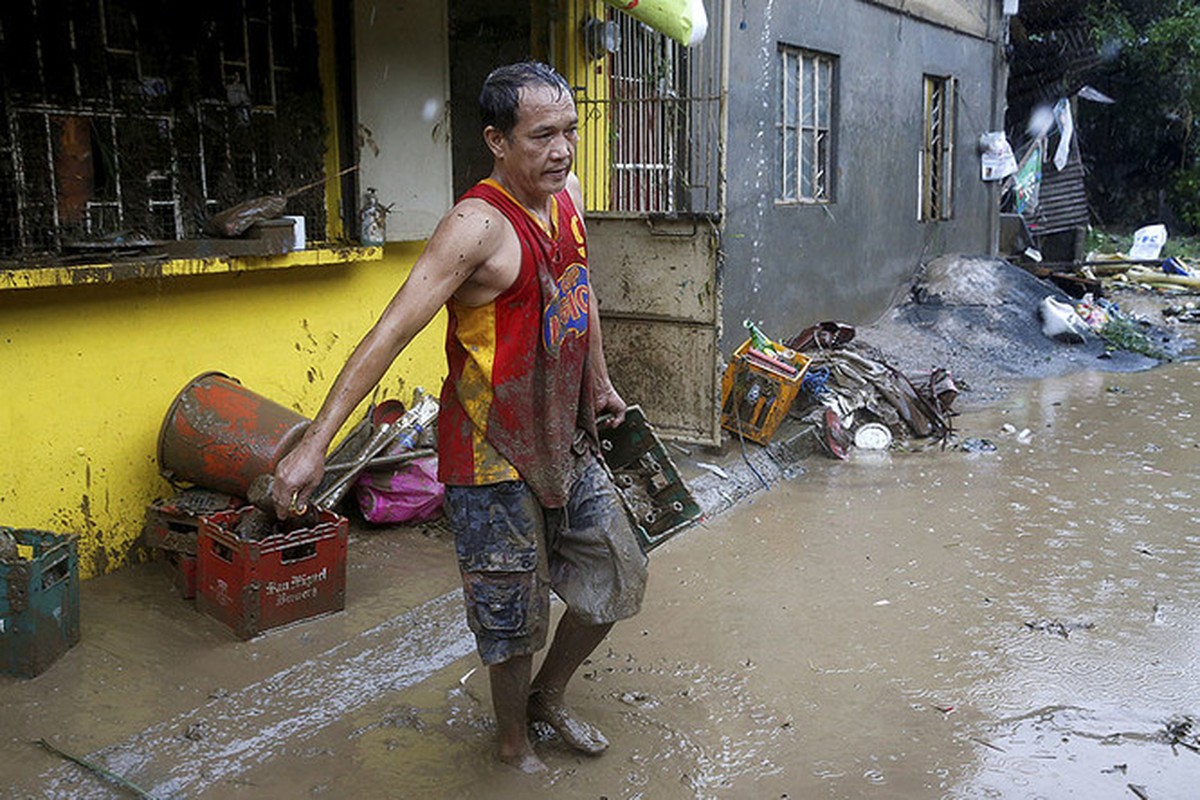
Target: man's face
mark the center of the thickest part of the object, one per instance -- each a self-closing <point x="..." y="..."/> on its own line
<point x="540" y="149"/>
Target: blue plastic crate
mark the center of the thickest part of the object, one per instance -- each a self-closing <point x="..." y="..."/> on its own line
<point x="39" y="602"/>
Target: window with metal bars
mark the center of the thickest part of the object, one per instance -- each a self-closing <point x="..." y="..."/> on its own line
<point x="649" y="112"/>
<point x="125" y="122"/>
<point x="806" y="107"/>
<point x="937" y="150"/>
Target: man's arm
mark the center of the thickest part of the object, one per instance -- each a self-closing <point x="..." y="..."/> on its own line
<point x="464" y="240"/>
<point x="608" y="401"/>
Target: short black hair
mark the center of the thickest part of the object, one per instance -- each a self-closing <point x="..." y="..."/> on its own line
<point x="501" y="93"/>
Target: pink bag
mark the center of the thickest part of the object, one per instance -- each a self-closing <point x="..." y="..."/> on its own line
<point x="411" y="493"/>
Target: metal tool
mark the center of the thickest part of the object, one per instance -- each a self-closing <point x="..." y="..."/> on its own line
<point x="403" y="434"/>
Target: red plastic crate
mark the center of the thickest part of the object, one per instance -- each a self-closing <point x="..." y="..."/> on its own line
<point x="182" y="569"/>
<point x="172" y="524"/>
<point x="253" y="586"/>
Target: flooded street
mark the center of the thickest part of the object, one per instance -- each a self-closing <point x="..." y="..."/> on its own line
<point x="1019" y="624"/>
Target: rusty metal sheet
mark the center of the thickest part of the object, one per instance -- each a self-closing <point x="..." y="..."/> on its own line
<point x="661" y="269"/>
<point x="660" y="316"/>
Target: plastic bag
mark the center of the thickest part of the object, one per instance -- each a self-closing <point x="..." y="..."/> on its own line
<point x="685" y="21"/>
<point x="410" y="493"/>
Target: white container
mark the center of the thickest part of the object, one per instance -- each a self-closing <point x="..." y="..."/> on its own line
<point x="872" y="436"/>
<point x="299" y="237"/>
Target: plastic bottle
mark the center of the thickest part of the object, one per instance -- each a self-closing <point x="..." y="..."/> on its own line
<point x="758" y="339"/>
<point x="373" y="230"/>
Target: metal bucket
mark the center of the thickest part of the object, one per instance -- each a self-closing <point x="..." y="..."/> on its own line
<point x="219" y="435"/>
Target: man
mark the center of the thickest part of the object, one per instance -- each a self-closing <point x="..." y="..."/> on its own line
<point x="527" y="498"/>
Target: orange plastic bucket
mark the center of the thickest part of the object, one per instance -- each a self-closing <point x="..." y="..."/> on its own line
<point x="219" y="435"/>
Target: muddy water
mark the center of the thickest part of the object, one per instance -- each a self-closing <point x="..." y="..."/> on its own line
<point x="1014" y="624"/>
<point x="1019" y="623"/>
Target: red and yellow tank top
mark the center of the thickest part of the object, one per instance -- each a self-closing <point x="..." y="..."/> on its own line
<point x="518" y="385"/>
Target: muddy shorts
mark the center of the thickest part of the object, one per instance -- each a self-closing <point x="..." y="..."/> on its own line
<point x="512" y="552"/>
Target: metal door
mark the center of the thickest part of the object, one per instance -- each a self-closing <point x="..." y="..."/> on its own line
<point x="650" y="149"/>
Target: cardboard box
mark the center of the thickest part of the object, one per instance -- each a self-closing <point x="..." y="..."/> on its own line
<point x="255" y="585"/>
<point x="39" y="602"/>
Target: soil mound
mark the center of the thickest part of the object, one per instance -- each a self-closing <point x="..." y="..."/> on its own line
<point x="977" y="316"/>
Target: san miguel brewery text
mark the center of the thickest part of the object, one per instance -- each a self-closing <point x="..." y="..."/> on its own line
<point x="300" y="587"/>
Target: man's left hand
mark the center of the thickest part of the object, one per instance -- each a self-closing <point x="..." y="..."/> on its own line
<point x="609" y="403"/>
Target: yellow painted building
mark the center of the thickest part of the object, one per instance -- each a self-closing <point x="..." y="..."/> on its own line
<point x="92" y="357"/>
<point x="90" y="371"/>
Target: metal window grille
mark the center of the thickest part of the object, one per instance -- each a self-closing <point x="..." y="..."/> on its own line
<point x="649" y="113"/>
<point x="123" y="121"/>
<point x="806" y="103"/>
<point x="937" y="152"/>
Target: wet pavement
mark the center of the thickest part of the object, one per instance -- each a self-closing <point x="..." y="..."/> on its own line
<point x="1014" y="624"/>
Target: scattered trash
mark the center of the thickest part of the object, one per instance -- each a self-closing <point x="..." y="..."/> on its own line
<point x="409" y="492"/>
<point x="638" y="700"/>
<point x="872" y="436"/>
<point x="833" y="436"/>
<point x="986" y="743"/>
<point x="399" y="435"/>
<point x="236" y="220"/>
<point x="1181" y="732"/>
<point x="8" y="547"/>
<point x="1059" y="628"/>
<point x="714" y="469"/>
<point x="859" y="389"/>
<point x="1094" y="313"/>
<point x="1125" y="333"/>
<point x="1173" y="266"/>
<point x="1060" y="322"/>
<point x="373" y="224"/>
<point x="112" y="776"/>
<point x="977" y="445"/>
<point x="1148" y="242"/>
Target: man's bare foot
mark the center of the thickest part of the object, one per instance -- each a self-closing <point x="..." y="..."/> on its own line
<point x="526" y="762"/>
<point x="580" y="735"/>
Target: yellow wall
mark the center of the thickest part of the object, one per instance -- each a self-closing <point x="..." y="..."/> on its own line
<point x="89" y="372"/>
<point x="593" y="155"/>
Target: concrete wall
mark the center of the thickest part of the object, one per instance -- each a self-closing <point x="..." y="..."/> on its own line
<point x="789" y="266"/>
<point x="90" y="371"/>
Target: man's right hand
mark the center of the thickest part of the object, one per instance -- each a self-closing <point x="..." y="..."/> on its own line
<point x="296" y="478"/>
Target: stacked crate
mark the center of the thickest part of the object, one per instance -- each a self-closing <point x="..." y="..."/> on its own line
<point x="39" y="600"/>
<point x="171" y="530"/>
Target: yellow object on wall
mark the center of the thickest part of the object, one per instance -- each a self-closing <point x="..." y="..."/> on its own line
<point x="90" y="371"/>
<point x="593" y="155"/>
